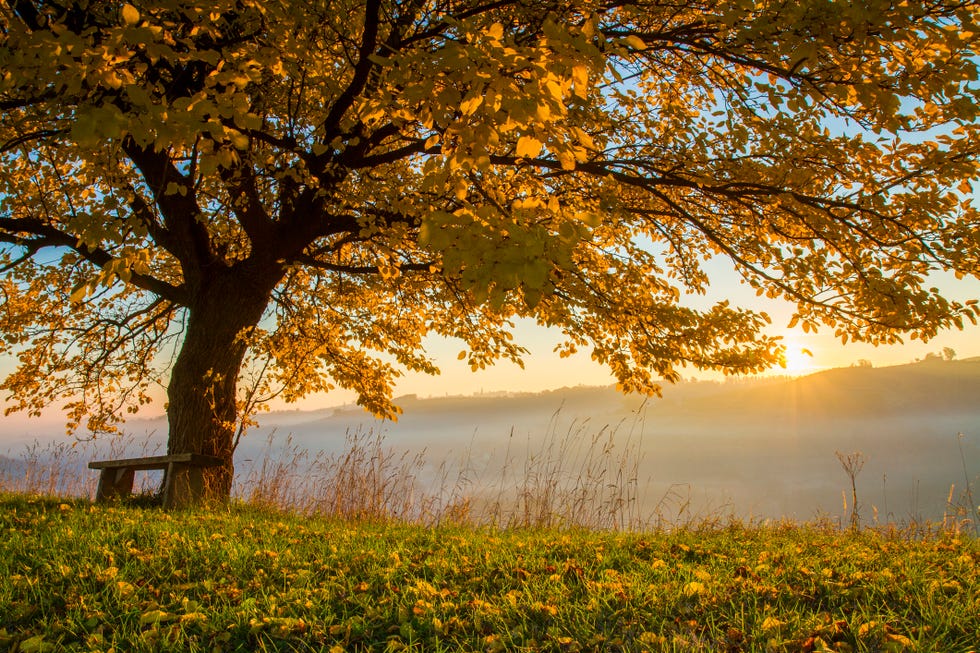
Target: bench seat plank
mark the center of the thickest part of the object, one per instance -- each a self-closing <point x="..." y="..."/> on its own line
<point x="157" y="462"/>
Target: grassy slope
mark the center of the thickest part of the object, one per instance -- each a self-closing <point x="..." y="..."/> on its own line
<point x="81" y="577"/>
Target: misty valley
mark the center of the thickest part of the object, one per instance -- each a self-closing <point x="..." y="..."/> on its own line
<point x="752" y="449"/>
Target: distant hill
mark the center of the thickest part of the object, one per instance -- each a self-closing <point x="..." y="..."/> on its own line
<point x="940" y="387"/>
<point x="932" y="388"/>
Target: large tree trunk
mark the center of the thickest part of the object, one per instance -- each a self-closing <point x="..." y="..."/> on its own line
<point x="202" y="410"/>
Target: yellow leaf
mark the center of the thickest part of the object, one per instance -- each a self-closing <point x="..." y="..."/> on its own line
<point x="770" y="623"/>
<point x="635" y="42"/>
<point x="528" y="146"/>
<point x="130" y="14"/>
<point x="238" y="140"/>
<point x="79" y="293"/>
<point x="107" y="574"/>
<point x="155" y="617"/>
<point x="865" y="628"/>
<point x="469" y="106"/>
<point x="694" y="588"/>
<point x="898" y="639"/>
<point x="496" y="31"/>
<point x="36" y="645"/>
<point x="193" y="617"/>
<point x="554" y="88"/>
<point x="583" y="137"/>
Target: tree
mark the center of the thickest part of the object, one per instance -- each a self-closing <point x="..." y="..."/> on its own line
<point x="192" y="192"/>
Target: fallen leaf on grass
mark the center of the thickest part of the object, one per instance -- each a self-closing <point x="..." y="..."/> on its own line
<point x="156" y="617"/>
<point x="36" y="644"/>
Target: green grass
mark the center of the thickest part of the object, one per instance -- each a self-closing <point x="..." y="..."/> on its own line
<point x="77" y="576"/>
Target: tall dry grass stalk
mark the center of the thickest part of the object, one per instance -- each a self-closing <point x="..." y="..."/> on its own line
<point x="579" y="477"/>
<point x="574" y="478"/>
<point x="852" y="464"/>
<point x="368" y="480"/>
<point x="964" y="509"/>
<point x="61" y="468"/>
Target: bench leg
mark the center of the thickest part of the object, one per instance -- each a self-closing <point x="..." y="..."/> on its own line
<point x="183" y="486"/>
<point x="115" y="483"/>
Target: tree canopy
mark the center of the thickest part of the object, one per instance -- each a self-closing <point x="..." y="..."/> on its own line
<point x="194" y="192"/>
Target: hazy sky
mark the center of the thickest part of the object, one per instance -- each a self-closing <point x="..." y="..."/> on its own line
<point x="545" y="370"/>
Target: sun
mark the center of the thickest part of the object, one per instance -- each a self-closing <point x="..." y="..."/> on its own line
<point x="798" y="359"/>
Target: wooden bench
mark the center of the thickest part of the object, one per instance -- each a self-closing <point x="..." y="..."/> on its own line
<point x="183" y="480"/>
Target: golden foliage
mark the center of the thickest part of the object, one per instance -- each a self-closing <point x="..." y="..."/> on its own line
<point x="361" y="174"/>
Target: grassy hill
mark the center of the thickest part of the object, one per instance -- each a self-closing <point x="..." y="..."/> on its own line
<point x="79" y="577"/>
<point x="75" y="576"/>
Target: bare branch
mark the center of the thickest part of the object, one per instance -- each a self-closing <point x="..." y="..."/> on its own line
<point x="41" y="134"/>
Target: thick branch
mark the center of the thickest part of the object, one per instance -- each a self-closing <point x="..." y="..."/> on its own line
<point x="188" y="237"/>
<point x="363" y="269"/>
<point x="440" y="26"/>
<point x="362" y="70"/>
<point x="142" y="211"/>
<point x="28" y="13"/>
<point x="391" y="156"/>
<point x="26" y="138"/>
<point x="247" y="205"/>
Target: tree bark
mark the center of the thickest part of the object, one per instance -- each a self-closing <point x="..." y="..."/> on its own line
<point x="202" y="410"/>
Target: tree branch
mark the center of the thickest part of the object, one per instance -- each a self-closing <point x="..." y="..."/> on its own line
<point x="362" y="70"/>
<point x="391" y="156"/>
<point x="48" y="236"/>
<point x="25" y="138"/>
<point x="247" y="205"/>
<point x="362" y="269"/>
<point x="188" y="237"/>
<point x="28" y="13"/>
